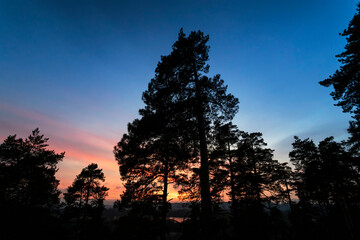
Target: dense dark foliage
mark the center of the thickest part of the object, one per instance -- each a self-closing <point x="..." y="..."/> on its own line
<point x="346" y="80"/>
<point x="84" y="203"/>
<point x="327" y="185"/>
<point x="29" y="197"/>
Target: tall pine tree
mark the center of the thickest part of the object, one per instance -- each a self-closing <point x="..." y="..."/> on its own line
<point x="346" y="80"/>
<point x="191" y="100"/>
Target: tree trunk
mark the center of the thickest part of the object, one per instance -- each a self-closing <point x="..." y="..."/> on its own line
<point x="165" y="191"/>
<point x="164" y="198"/>
<point x="232" y="186"/>
<point x="83" y="222"/>
<point x="257" y="187"/>
<point x="348" y="220"/>
<point x="78" y="223"/>
<point x="288" y="194"/>
<point x="204" y="165"/>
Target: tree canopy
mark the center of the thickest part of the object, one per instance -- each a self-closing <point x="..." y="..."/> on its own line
<point x="29" y="195"/>
<point x="27" y="169"/>
<point x="86" y="191"/>
<point x="346" y="80"/>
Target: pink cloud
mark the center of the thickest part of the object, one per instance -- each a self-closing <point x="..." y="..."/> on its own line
<point x="81" y="147"/>
<point x="58" y="127"/>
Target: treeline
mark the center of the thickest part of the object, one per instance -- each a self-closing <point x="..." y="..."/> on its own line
<point x="325" y="181"/>
<point x="185" y="137"/>
<point x="30" y="203"/>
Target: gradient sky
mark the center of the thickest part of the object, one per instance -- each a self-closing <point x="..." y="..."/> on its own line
<point x="77" y="69"/>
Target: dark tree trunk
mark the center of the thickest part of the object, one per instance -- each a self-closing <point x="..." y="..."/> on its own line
<point x="204" y="165"/>
<point x="348" y="220"/>
<point x="257" y="187"/>
<point x="204" y="174"/>
<point x="165" y="191"/>
<point x="232" y="186"/>
<point x="164" y="198"/>
<point x="288" y="194"/>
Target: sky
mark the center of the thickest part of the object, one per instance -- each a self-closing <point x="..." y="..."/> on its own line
<point x="77" y="69"/>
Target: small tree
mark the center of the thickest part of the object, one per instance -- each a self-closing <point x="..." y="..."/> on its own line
<point x="260" y="178"/>
<point x="86" y="191"/>
<point x="253" y="179"/>
<point x="226" y="138"/>
<point x="85" y="201"/>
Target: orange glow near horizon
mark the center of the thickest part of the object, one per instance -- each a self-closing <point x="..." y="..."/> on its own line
<point x="81" y="149"/>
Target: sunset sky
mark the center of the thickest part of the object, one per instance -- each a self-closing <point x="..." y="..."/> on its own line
<point x="77" y="69"/>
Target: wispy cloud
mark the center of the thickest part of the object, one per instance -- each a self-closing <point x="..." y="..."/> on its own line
<point x="81" y="146"/>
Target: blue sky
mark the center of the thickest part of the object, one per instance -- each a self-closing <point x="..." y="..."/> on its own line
<point x="77" y="69"/>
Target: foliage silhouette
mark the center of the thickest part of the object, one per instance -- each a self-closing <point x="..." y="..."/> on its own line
<point x="150" y="156"/>
<point x="226" y="137"/>
<point x="346" y="81"/>
<point x="85" y="202"/>
<point x="327" y="185"/>
<point x="29" y="197"/>
<point x="185" y="136"/>
<point x="185" y="102"/>
<point x="332" y="168"/>
<point x="192" y="99"/>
